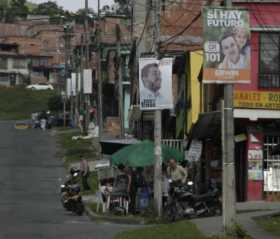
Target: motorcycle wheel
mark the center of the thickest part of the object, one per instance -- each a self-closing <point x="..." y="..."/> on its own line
<point x="169" y="213"/>
<point x="219" y="209"/>
<point x="79" y="209"/>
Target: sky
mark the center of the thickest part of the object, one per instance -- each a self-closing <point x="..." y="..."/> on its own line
<point x="74" y="5"/>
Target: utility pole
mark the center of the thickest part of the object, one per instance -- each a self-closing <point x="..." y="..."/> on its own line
<point x="67" y="38"/>
<point x="157" y="122"/>
<point x="99" y="75"/>
<point x="87" y="97"/>
<point x="77" y="91"/>
<point x="120" y="85"/>
<point x="229" y="197"/>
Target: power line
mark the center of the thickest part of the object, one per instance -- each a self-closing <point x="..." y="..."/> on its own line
<point x="167" y="41"/>
<point x="144" y="28"/>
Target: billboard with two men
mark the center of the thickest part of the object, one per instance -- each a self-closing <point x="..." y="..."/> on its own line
<point x="226" y="45"/>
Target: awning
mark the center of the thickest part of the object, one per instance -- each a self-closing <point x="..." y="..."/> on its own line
<point x="255" y="114"/>
<point x="208" y="125"/>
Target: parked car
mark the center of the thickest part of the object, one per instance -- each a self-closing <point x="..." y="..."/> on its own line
<point x="40" y="87"/>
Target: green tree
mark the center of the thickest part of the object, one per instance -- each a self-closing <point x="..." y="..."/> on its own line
<point x="55" y="103"/>
<point x="125" y="7"/>
<point x="79" y="16"/>
<point x="15" y="9"/>
<point x="49" y="8"/>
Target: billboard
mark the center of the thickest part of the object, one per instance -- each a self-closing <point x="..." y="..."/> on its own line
<point x="227" y="50"/>
<point x="155" y="83"/>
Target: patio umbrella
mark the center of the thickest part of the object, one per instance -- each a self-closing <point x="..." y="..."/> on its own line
<point x="142" y="154"/>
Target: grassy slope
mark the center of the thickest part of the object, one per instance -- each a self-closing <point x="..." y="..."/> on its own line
<point x="178" y="230"/>
<point x="73" y="149"/>
<point x="270" y="224"/>
<point x="19" y="103"/>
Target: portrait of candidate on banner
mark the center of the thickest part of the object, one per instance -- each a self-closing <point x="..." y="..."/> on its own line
<point x="227" y="50"/>
<point x="155" y="82"/>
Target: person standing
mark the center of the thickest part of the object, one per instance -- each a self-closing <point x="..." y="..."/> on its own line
<point x="84" y="168"/>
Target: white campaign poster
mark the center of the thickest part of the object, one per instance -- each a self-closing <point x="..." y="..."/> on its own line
<point x="155" y="83"/>
<point x="68" y="87"/>
<point x="87" y="81"/>
<point x="73" y="83"/>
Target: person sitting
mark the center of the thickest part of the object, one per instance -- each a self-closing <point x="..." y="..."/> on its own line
<point x="122" y="184"/>
<point x="176" y="173"/>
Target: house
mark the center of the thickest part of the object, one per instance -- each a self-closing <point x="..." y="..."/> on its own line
<point x="18" y="68"/>
<point x="257" y="105"/>
<point x="112" y="66"/>
<point x="197" y="111"/>
<point x="44" y="43"/>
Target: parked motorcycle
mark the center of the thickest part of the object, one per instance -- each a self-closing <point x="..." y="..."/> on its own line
<point x="71" y="198"/>
<point x="184" y="204"/>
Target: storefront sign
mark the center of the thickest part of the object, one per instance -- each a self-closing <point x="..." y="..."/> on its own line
<point x="226" y="45"/>
<point x="257" y="100"/>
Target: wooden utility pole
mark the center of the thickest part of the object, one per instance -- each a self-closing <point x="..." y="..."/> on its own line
<point x="229" y="197"/>
<point x="157" y="122"/>
<point x="120" y="81"/>
<point x="67" y="45"/>
<point x="77" y="91"/>
<point x="87" y="97"/>
<point x="99" y="76"/>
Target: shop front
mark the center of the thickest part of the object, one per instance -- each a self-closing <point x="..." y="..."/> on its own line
<point x="257" y="117"/>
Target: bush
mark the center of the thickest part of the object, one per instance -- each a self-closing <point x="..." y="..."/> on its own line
<point x="55" y="103"/>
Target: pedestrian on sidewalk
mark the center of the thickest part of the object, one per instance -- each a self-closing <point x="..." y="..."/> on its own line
<point x="84" y="168"/>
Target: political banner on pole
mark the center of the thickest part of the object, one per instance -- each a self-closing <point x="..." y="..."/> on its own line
<point x="227" y="50"/>
<point x="155" y="83"/>
<point x="74" y="84"/>
<point x="87" y="81"/>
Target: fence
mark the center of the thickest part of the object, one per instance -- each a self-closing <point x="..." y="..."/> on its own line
<point x="174" y="143"/>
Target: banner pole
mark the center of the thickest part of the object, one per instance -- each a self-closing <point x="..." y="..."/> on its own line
<point x="229" y="197"/>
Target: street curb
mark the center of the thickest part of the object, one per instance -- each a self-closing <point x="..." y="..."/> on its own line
<point x="112" y="219"/>
<point x="268" y="214"/>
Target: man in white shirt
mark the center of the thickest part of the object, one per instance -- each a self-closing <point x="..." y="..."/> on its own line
<point x="233" y="60"/>
<point x="150" y="95"/>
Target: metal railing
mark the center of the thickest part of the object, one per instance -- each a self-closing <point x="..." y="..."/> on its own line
<point x="271" y="165"/>
<point x="174" y="143"/>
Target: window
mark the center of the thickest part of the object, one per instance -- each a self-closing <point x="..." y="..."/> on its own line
<point x="3" y="64"/>
<point x="269" y="75"/>
<point x="19" y="64"/>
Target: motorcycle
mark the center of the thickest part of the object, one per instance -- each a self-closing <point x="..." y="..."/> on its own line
<point x="184" y="204"/>
<point x="71" y="198"/>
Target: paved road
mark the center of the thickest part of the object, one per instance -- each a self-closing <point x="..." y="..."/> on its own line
<point x="29" y="186"/>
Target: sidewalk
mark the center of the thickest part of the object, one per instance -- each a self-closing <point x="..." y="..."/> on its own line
<point x="246" y="213"/>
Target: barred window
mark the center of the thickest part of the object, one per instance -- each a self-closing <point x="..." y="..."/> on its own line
<point x="269" y="75"/>
<point x="3" y="63"/>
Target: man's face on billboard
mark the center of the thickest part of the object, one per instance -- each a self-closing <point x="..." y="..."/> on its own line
<point x="230" y="49"/>
<point x="153" y="79"/>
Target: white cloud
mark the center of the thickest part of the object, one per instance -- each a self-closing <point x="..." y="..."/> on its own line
<point x="74" y="5"/>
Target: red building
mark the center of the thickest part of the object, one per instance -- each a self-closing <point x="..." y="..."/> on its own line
<point x="257" y="106"/>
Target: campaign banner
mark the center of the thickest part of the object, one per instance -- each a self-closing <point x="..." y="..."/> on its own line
<point x="155" y="83"/>
<point x="227" y="50"/>
<point x="87" y="81"/>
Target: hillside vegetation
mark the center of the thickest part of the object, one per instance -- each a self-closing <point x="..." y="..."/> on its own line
<point x="19" y="103"/>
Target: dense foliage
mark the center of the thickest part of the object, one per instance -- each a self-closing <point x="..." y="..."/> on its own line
<point x="22" y="8"/>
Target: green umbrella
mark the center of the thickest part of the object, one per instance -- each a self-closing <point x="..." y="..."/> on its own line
<point x="142" y="154"/>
